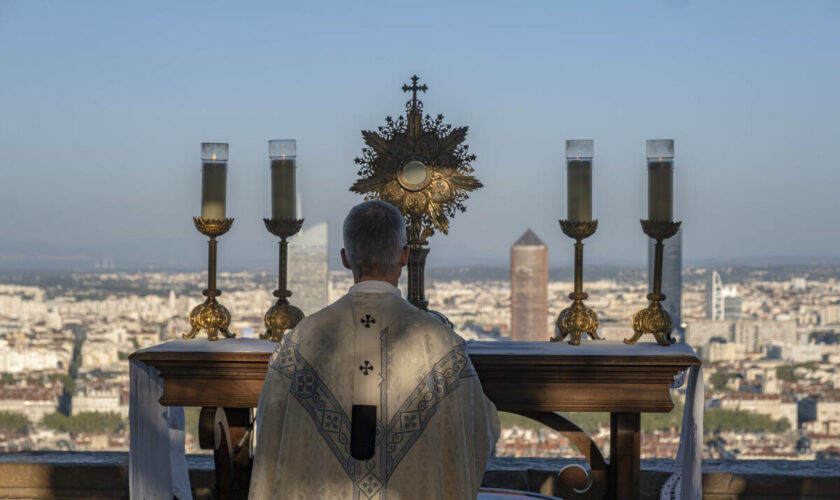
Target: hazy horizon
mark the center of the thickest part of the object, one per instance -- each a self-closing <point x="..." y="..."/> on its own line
<point x="105" y="107"/>
<point x="84" y="264"/>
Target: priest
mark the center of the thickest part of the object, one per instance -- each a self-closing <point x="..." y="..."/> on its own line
<point x="371" y="397"/>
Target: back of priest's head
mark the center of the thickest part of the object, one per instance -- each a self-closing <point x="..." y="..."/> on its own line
<point x="374" y="240"/>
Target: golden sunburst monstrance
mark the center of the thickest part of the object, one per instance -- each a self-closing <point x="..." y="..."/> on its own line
<point x="421" y="166"/>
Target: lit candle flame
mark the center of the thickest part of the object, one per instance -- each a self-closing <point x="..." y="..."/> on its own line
<point x="284" y="156"/>
<point x="214" y="156"/>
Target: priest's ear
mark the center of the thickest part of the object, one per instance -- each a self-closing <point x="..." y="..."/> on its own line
<point x="403" y="256"/>
<point x="344" y="261"/>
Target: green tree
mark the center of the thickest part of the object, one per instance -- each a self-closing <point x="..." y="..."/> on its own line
<point x="788" y="372"/>
<point x="90" y="421"/>
<point x="68" y="382"/>
<point x="663" y="421"/>
<point x="590" y="421"/>
<point x="785" y="372"/>
<point x="720" y="379"/>
<point x="715" y="421"/>
<point x="56" y="421"/>
<point x="14" y="422"/>
<point x="718" y="420"/>
<point x="783" y="424"/>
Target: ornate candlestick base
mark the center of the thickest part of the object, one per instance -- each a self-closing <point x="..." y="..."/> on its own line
<point x="282" y="315"/>
<point x="210" y="315"/>
<point x="577" y="319"/>
<point x="654" y="319"/>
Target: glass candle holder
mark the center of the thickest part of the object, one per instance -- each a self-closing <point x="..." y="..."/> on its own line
<point x="283" y="156"/>
<point x="660" y="165"/>
<point x="579" y="179"/>
<point x="214" y="157"/>
<point x="214" y="151"/>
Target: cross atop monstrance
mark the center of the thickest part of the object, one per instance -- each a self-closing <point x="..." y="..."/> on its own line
<point x="421" y="166"/>
<point x="414" y="103"/>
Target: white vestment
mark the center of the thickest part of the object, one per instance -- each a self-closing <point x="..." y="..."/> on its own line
<point x="435" y="428"/>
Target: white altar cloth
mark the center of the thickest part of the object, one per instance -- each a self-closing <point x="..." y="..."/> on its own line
<point x="157" y="465"/>
<point x="687" y="481"/>
<point x="586" y="348"/>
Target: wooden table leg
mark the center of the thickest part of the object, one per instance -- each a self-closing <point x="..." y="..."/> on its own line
<point x="241" y="422"/>
<point x="625" y="450"/>
<point x="222" y="430"/>
<point x="574" y="482"/>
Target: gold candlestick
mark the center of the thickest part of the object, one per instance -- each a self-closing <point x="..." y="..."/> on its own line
<point x="282" y="315"/>
<point x="210" y="315"/>
<point x="577" y="319"/>
<point x="654" y="318"/>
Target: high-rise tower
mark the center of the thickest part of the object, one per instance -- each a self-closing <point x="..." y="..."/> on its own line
<point x="714" y="297"/>
<point x="529" y="288"/>
<point x="671" y="278"/>
<point x="722" y="303"/>
<point x="308" y="275"/>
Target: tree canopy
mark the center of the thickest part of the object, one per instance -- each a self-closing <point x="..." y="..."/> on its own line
<point x="716" y="420"/>
<point x="15" y="422"/>
<point x="90" y="421"/>
<point x="719" y="379"/>
<point x="788" y="372"/>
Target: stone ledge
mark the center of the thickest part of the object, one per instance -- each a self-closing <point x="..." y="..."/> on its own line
<point x="722" y="479"/>
<point x="104" y="476"/>
<point x="88" y="475"/>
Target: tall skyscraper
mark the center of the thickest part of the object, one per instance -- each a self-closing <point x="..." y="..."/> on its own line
<point x="308" y="268"/>
<point x="714" y="297"/>
<point x="722" y="303"/>
<point x="529" y="288"/>
<point x="671" y="278"/>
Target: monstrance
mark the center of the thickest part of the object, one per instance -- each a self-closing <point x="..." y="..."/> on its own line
<point x="421" y="166"/>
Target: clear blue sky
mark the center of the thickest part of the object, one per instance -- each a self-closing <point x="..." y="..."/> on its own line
<point x="104" y="106"/>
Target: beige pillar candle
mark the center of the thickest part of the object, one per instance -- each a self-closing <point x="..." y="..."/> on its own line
<point x="660" y="155"/>
<point x="283" y="155"/>
<point x="213" y="180"/>
<point x="579" y="180"/>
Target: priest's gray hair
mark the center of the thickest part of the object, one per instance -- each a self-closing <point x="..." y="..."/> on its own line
<point x="374" y="236"/>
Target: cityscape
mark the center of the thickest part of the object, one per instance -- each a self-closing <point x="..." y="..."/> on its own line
<point x="768" y="338"/>
<point x="626" y="209"/>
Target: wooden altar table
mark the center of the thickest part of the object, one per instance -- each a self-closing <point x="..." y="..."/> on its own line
<point x="534" y="379"/>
